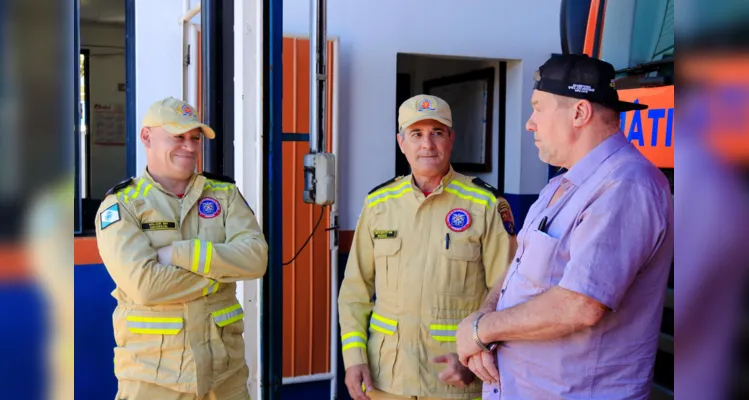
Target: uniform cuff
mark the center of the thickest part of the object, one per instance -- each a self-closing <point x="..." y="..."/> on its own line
<point x="354" y="356"/>
<point x="181" y="252"/>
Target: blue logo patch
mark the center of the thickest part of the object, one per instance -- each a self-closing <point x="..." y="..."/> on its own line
<point x="458" y="220"/>
<point x="109" y="216"/>
<point x="208" y="207"/>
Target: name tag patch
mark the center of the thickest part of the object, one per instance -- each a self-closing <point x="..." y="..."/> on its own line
<point x="158" y="226"/>
<point x="385" y="234"/>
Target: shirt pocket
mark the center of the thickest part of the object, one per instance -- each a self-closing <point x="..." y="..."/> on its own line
<point x="152" y="347"/>
<point x="226" y="342"/>
<point x="382" y="349"/>
<point x="538" y="260"/>
<point x="387" y="254"/>
<point x="459" y="269"/>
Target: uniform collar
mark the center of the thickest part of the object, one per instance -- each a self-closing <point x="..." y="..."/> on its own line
<point x="584" y="168"/>
<point x="195" y="182"/>
<point x="445" y="180"/>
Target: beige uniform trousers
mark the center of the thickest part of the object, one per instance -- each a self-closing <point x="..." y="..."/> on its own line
<point x="233" y="389"/>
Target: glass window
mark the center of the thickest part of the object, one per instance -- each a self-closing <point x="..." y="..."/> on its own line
<point x="637" y="32"/>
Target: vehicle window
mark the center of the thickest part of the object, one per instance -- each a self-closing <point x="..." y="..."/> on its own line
<point x="637" y="32"/>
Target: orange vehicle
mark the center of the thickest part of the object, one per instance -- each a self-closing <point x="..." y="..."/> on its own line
<point x="637" y="38"/>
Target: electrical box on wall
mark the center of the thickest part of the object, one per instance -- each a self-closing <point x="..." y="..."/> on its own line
<point x="319" y="178"/>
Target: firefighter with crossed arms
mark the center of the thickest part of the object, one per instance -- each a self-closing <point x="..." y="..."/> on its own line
<point x="427" y="249"/>
<point x="175" y="242"/>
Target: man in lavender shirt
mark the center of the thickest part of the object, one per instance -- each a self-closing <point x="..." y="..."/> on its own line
<point x="579" y="312"/>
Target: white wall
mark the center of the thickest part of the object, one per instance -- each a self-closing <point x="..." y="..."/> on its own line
<point x="372" y="33"/>
<point x="106" y="44"/>
<point x="158" y="58"/>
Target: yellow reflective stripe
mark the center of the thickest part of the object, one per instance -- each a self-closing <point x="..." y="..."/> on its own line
<point x="208" y="254"/>
<point x="137" y="190"/>
<point x="148" y="187"/>
<point x="202" y="253"/>
<point x="354" y="345"/>
<point x="228" y="315"/>
<point x="216" y="185"/>
<point x="212" y="288"/>
<point x="474" y="190"/>
<point x="443" y="333"/>
<point x="195" y="254"/>
<point x="154" y="325"/>
<point x="467" y="197"/>
<point x="383" y="325"/>
<point x="471" y="194"/>
<point x="353" y="340"/>
<point x="389" y="193"/>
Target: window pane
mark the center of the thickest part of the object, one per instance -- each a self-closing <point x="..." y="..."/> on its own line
<point x="637" y="32"/>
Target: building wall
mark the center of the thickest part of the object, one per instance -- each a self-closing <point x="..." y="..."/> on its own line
<point x="373" y="33"/>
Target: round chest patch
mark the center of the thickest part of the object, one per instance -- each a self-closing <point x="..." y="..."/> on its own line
<point x="458" y="220"/>
<point x="208" y="207"/>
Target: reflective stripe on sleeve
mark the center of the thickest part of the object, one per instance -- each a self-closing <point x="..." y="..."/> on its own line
<point x="211" y="289"/>
<point x="383" y="325"/>
<point x="443" y="333"/>
<point x="202" y="251"/>
<point x="352" y="340"/>
<point x="228" y="315"/>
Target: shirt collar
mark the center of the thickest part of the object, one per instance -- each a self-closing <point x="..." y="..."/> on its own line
<point x="445" y="180"/>
<point x="157" y="185"/>
<point x="584" y="168"/>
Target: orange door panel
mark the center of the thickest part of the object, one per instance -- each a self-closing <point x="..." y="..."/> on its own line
<point x="306" y="280"/>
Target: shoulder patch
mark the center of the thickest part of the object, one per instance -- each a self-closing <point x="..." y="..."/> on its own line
<point x="508" y="220"/>
<point x="218" y="177"/>
<point x="109" y="216"/>
<point x="480" y="183"/>
<point x="125" y="183"/>
<point x="383" y="184"/>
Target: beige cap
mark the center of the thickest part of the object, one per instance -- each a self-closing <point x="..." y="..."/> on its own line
<point x="176" y="117"/>
<point x="421" y="107"/>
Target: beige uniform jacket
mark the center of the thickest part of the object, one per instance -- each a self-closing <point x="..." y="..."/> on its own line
<point x="430" y="263"/>
<point x="179" y="325"/>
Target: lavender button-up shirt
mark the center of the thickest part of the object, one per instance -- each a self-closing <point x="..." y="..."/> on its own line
<point x="609" y="237"/>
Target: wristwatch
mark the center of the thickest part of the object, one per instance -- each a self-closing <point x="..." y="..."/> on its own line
<point x="491" y="346"/>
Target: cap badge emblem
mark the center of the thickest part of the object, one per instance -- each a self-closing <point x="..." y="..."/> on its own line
<point x="186" y="110"/>
<point x="426" y="104"/>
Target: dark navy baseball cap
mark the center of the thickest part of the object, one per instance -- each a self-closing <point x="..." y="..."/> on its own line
<point x="582" y="77"/>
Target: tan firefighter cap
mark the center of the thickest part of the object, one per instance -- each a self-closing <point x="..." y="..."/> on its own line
<point x="421" y="107"/>
<point x="176" y="117"/>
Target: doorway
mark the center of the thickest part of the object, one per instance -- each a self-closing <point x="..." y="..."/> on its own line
<point x="475" y="88"/>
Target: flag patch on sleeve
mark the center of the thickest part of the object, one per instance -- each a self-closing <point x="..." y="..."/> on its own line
<point x="110" y="216"/>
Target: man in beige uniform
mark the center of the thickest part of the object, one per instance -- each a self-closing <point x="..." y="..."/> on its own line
<point x="428" y="246"/>
<point x="175" y="242"/>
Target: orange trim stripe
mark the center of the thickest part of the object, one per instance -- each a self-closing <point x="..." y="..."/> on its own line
<point x="14" y="263"/>
<point x="590" y="31"/>
<point x="86" y="251"/>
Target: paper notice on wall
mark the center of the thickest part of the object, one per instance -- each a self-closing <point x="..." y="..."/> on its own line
<point x="108" y="124"/>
